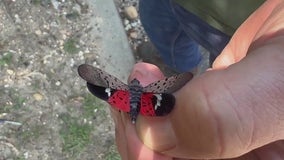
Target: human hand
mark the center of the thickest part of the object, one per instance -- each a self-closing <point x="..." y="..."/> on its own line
<point x="236" y="109"/>
<point x="161" y="133"/>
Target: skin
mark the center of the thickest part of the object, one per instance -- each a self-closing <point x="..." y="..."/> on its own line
<point x="233" y="111"/>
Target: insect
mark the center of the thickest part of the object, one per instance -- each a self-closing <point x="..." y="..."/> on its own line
<point x="153" y="100"/>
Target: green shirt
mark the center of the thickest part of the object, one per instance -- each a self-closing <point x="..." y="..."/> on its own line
<point x="224" y="15"/>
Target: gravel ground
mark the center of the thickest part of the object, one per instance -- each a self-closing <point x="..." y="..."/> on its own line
<point x="51" y="114"/>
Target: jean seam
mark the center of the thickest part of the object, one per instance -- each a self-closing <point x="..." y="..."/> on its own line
<point x="192" y="32"/>
<point x="173" y="43"/>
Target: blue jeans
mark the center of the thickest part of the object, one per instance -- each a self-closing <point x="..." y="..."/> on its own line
<point x="176" y="33"/>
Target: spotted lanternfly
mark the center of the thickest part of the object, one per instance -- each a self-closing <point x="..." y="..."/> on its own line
<point x="153" y="100"/>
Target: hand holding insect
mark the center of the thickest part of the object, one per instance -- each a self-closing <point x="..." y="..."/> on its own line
<point x="233" y="112"/>
<point x="153" y="100"/>
<point x="193" y="129"/>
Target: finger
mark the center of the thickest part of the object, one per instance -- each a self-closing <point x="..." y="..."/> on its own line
<point x="225" y="59"/>
<point x="250" y="34"/>
<point x="179" y="132"/>
<point x="128" y="144"/>
<point x="120" y="138"/>
<point x="146" y="73"/>
<point x="188" y="131"/>
<point x="136" y="149"/>
<point x="224" y="113"/>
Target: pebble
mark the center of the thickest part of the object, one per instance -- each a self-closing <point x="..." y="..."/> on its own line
<point x="131" y="12"/>
<point x="128" y="27"/>
<point x="72" y="62"/>
<point x="17" y="19"/>
<point x="38" y="32"/>
<point x="133" y="35"/>
<point x="55" y="4"/>
<point x="26" y="155"/>
<point x="57" y="83"/>
<point x="10" y="72"/>
<point x="77" y="8"/>
<point x="134" y="24"/>
<point x="126" y="21"/>
<point x="38" y="96"/>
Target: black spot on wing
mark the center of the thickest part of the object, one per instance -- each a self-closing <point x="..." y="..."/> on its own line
<point x="113" y="82"/>
<point x="92" y="75"/>
<point x="170" y="84"/>
<point x="146" y="104"/>
<point x="99" y="77"/>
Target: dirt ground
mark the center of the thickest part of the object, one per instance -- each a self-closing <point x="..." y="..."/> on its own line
<point x="53" y="116"/>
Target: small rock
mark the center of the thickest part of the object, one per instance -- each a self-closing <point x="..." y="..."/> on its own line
<point x="26" y="155"/>
<point x="134" y="24"/>
<point x="133" y="35"/>
<point x="55" y="4"/>
<point x="126" y="21"/>
<point x="77" y="8"/>
<point x="10" y="72"/>
<point x="127" y="27"/>
<point x="131" y="12"/>
<point x="38" y="96"/>
<point x="57" y="83"/>
<point x="17" y="19"/>
<point x="38" y="32"/>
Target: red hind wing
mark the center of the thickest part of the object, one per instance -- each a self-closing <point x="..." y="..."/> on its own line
<point x="120" y="100"/>
<point x="146" y="105"/>
<point x="156" y="104"/>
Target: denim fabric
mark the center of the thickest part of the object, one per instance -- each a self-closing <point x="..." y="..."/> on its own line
<point x="176" y="33"/>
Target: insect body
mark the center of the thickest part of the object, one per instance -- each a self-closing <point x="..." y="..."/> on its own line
<point x="135" y="92"/>
<point x="153" y="100"/>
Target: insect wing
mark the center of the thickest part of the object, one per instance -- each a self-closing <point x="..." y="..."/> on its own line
<point x="120" y="100"/>
<point x="116" y="98"/>
<point x="170" y="84"/>
<point x="147" y="105"/>
<point x="99" y="77"/>
<point x="156" y="104"/>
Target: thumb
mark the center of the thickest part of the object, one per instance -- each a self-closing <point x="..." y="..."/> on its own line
<point x="224" y="60"/>
<point x="216" y="116"/>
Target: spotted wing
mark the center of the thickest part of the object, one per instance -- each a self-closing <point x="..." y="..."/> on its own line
<point x="116" y="98"/>
<point x="156" y="104"/>
<point x="99" y="77"/>
<point x="120" y="100"/>
<point x="170" y="84"/>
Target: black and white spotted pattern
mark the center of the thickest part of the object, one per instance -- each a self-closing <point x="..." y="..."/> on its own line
<point x="170" y="84"/>
<point x="153" y="100"/>
<point x="99" y="77"/>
